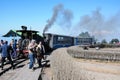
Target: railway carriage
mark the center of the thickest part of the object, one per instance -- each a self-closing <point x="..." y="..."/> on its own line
<point x="56" y="41"/>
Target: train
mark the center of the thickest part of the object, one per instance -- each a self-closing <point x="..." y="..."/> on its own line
<point x="51" y="41"/>
<point x="55" y="41"/>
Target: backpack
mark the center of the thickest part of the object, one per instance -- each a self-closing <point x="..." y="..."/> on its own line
<point x="39" y="51"/>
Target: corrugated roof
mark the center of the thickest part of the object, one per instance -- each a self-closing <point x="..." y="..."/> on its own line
<point x="12" y="33"/>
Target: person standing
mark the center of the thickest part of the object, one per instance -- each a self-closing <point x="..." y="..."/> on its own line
<point x="5" y="54"/>
<point x="40" y="53"/>
<point x="31" y="47"/>
<point x="1" y="42"/>
<point x="14" y="48"/>
<point x="20" y="52"/>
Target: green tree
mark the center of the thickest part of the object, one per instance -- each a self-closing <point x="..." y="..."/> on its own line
<point x="114" y="41"/>
<point x="103" y="41"/>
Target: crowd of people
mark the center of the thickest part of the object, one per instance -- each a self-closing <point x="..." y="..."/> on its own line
<point x="12" y="51"/>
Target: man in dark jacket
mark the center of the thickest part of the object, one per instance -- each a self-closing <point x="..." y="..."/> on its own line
<point x="5" y="49"/>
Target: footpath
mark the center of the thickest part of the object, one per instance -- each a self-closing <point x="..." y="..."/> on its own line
<point x="7" y="65"/>
<point x="22" y="72"/>
<point x="27" y="74"/>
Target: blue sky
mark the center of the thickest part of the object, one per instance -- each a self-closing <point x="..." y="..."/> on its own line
<point x="35" y="14"/>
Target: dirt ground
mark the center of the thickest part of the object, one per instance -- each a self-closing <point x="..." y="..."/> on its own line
<point x="98" y="70"/>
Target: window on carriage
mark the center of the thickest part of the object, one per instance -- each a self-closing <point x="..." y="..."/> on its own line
<point x="60" y="38"/>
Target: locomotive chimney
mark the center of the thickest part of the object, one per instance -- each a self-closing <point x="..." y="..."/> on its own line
<point x="24" y="27"/>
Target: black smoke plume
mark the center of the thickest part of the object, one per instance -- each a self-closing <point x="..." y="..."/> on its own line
<point x="59" y="10"/>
